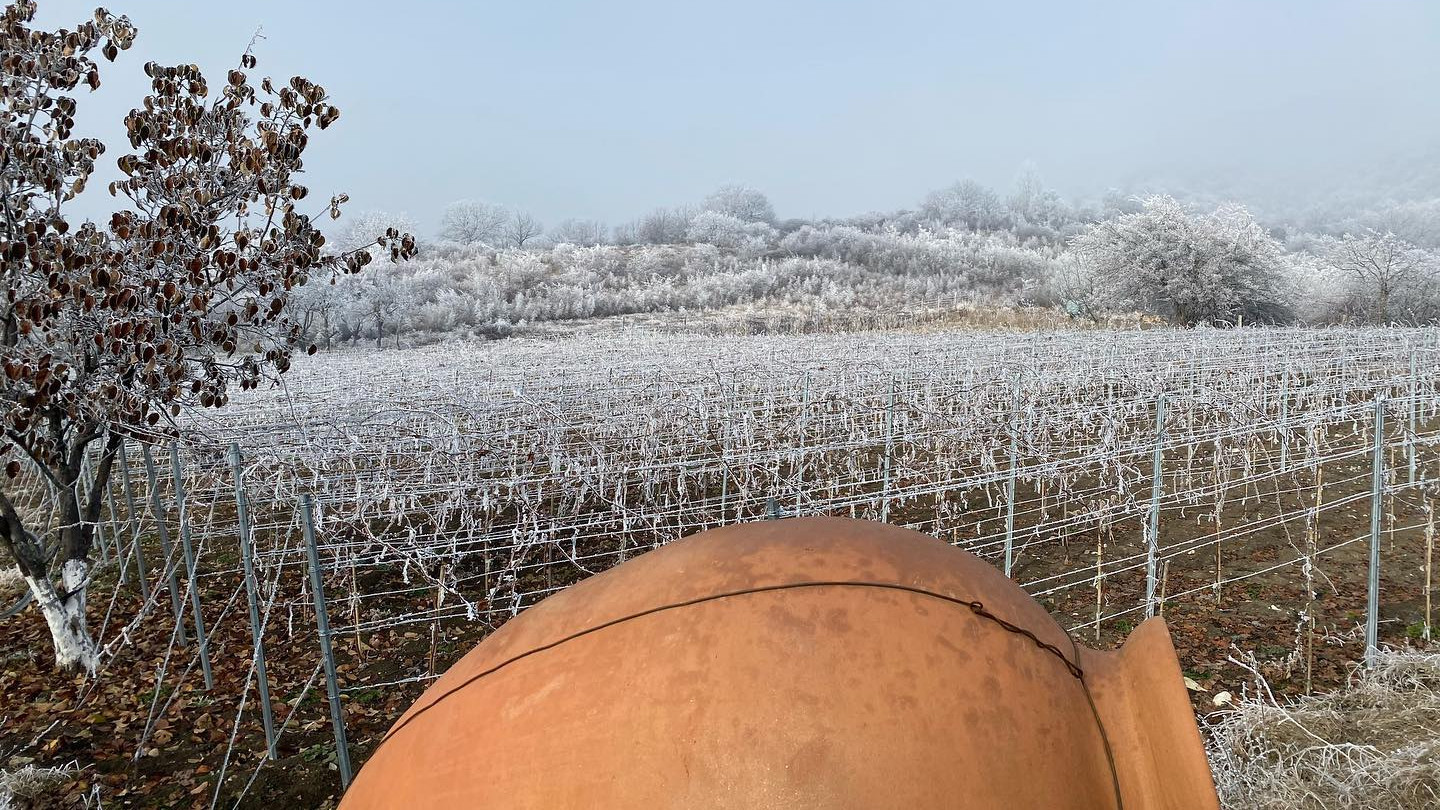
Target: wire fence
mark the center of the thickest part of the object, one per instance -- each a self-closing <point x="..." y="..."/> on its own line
<point x="1109" y="473"/>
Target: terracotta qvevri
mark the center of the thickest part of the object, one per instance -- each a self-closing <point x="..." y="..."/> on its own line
<point x="807" y="663"/>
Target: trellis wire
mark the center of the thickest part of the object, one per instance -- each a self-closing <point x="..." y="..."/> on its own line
<point x="457" y="478"/>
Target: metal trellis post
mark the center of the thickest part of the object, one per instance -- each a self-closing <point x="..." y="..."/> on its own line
<point x="322" y="623"/>
<point x="1377" y="491"/>
<point x="1152" y="530"/>
<point x="1414" y="420"/>
<point x="130" y="517"/>
<point x="164" y="534"/>
<point x="87" y="471"/>
<point x="247" y="555"/>
<point x="800" y="425"/>
<point x="1285" y="421"/>
<point x="182" y="514"/>
<point x="115" y="534"/>
<point x="1010" y="485"/>
<point x="889" y="450"/>
<point x="89" y="475"/>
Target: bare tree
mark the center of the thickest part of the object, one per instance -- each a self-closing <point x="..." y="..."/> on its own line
<point x="1032" y="202"/>
<point x="358" y="231"/>
<point x="583" y="232"/>
<point x="521" y="228"/>
<point x="471" y="222"/>
<point x="1389" y="277"/>
<point x="108" y="331"/>
<point x="663" y="226"/>
<point x="967" y="204"/>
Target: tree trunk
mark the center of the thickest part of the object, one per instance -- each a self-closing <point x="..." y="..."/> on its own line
<point x="64" y="613"/>
<point x="75" y="649"/>
<point x="78" y="509"/>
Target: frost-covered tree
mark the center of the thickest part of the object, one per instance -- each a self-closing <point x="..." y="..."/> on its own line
<point x="316" y="308"/>
<point x="390" y="297"/>
<point x="1387" y="276"/>
<point x="742" y="202"/>
<point x="1075" y="288"/>
<point x="521" y="228"/>
<point x="663" y="226"/>
<point x="1322" y="295"/>
<point x="1033" y="203"/>
<point x="1191" y="268"/>
<point x="473" y="222"/>
<point x="1415" y="221"/>
<point x="580" y="232"/>
<point x="357" y="232"/>
<point x="724" y="231"/>
<point x="1114" y="203"/>
<point x="109" y="330"/>
<point x="966" y="204"/>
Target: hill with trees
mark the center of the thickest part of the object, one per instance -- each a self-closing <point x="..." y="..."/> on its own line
<point x="1188" y="260"/>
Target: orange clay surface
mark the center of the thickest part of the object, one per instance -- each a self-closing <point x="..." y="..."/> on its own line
<point x="806" y="663"/>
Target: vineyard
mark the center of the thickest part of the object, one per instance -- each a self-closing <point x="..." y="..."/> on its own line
<point x="298" y="567"/>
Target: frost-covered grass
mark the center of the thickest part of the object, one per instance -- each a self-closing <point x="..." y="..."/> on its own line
<point x="31" y="786"/>
<point x="1372" y="746"/>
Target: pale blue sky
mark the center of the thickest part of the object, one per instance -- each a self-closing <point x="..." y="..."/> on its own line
<point x="605" y="110"/>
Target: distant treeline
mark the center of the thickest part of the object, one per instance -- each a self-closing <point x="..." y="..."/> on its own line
<point x="492" y="269"/>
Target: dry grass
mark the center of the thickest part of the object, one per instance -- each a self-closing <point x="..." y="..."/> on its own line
<point x="1372" y="746"/>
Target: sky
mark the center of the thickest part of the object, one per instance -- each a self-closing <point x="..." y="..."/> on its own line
<point x="606" y="110"/>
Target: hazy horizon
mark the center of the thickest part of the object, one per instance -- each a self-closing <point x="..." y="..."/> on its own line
<point x="832" y="109"/>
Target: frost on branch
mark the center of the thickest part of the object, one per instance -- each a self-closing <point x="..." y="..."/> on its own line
<point x="1193" y="268"/>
